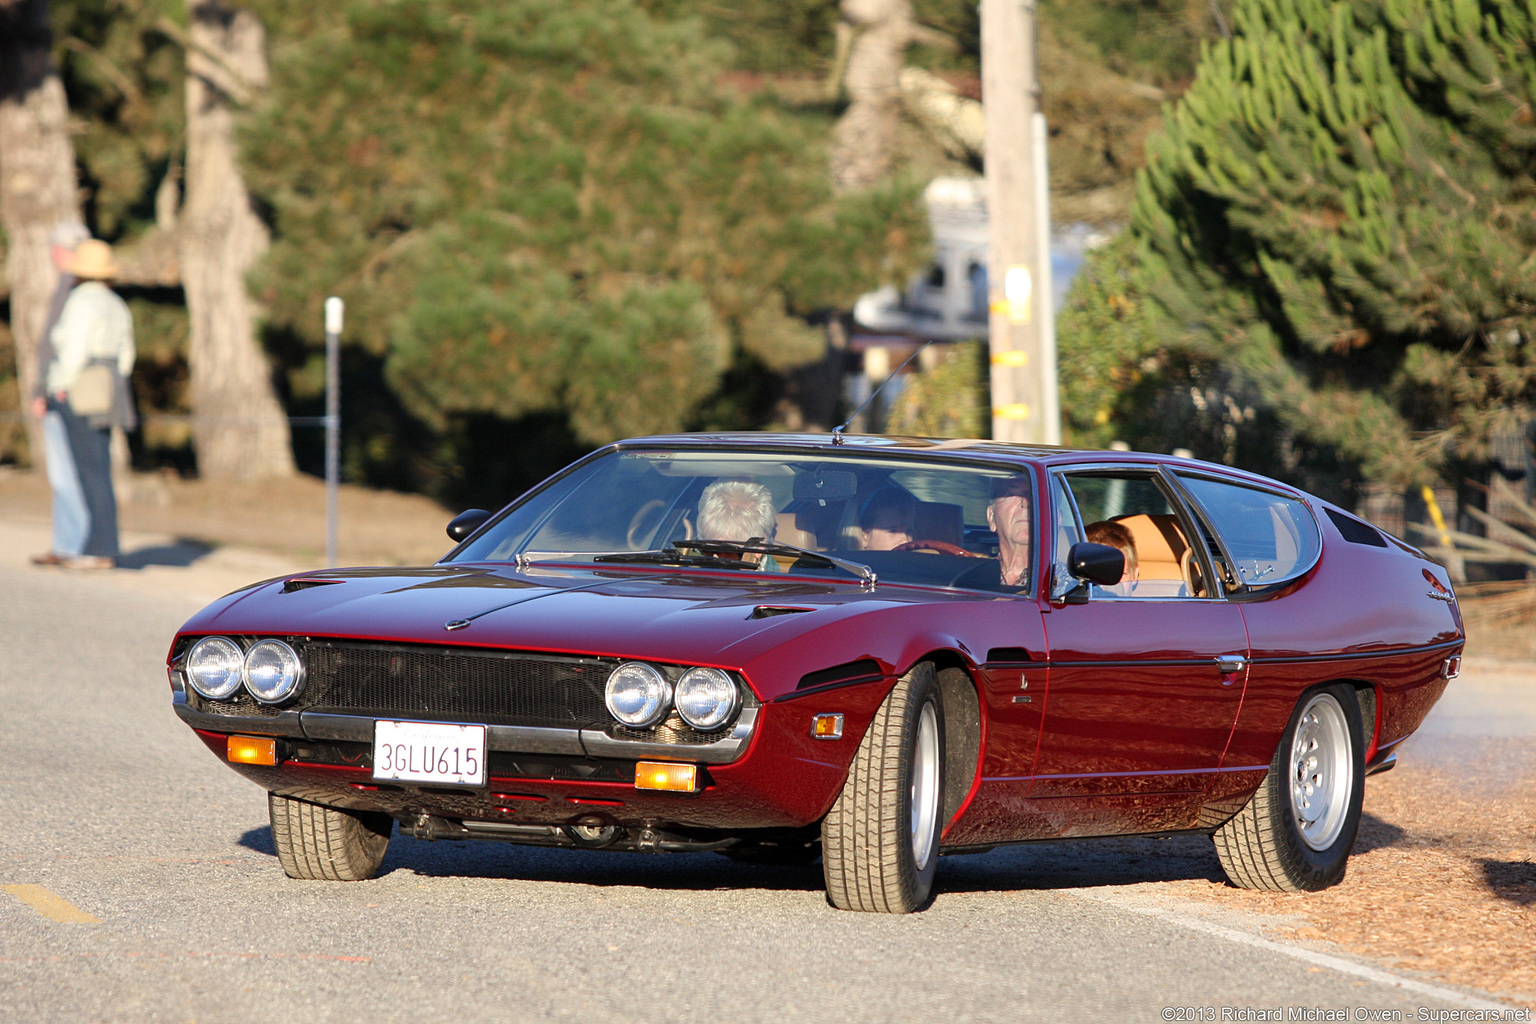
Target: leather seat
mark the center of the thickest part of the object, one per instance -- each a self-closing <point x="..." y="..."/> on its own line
<point x="1162" y="552"/>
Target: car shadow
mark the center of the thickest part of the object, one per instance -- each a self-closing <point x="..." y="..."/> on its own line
<point x="1083" y="863"/>
<point x="604" y="868"/>
<point x="1376" y="834"/>
<point x="1512" y="880"/>
<point x="1111" y="861"/>
<point x="260" y="840"/>
<point x="179" y="554"/>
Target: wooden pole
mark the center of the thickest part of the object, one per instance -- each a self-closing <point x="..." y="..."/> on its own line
<point x="333" y="316"/>
<point x="1017" y="260"/>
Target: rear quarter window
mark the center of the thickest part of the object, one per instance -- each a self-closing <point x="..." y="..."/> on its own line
<point x="1272" y="538"/>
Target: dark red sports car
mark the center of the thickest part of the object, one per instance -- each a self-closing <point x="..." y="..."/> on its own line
<point x="874" y="650"/>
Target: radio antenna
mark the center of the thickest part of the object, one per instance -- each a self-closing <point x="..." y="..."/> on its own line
<point x="837" y="431"/>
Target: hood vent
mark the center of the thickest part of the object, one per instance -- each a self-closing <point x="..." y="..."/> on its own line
<point x="768" y="611"/>
<point x="304" y="584"/>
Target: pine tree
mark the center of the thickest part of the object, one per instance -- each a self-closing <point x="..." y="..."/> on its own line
<point x="546" y="207"/>
<point x="1337" y="231"/>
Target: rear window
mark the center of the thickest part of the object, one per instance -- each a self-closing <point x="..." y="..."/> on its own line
<point x="1272" y="538"/>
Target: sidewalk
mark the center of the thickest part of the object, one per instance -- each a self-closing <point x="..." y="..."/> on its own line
<point x="158" y="563"/>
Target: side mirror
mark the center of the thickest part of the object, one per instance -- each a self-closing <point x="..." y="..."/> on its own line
<point x="1096" y="563"/>
<point x="466" y="523"/>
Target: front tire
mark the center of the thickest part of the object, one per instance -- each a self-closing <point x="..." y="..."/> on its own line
<point x="1296" y="832"/>
<point x="318" y="842"/>
<point x="880" y="841"/>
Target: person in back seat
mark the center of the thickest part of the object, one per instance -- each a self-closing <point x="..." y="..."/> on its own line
<point x="1117" y="536"/>
<point x="886" y="520"/>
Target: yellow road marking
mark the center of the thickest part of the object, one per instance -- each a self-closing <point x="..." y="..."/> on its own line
<point x="54" y="908"/>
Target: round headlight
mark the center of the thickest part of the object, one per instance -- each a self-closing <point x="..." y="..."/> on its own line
<point x="637" y="694"/>
<point x="213" y="667"/>
<point x="707" y="698"/>
<point x="273" y="672"/>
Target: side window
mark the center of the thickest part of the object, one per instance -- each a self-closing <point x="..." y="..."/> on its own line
<point x="1271" y="538"/>
<point x="1068" y="530"/>
<point x="1131" y="512"/>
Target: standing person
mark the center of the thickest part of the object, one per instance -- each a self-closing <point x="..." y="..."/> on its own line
<point x="69" y="518"/>
<point x="1008" y="514"/>
<point x="87" y="384"/>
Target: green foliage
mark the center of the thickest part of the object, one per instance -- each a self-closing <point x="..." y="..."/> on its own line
<point x="1338" y="227"/>
<point x="542" y="206"/>
<point x="949" y="400"/>
<point x="123" y="75"/>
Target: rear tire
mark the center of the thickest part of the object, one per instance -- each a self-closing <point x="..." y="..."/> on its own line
<point x="1296" y="832"/>
<point x="319" y="842"/>
<point x="880" y="841"/>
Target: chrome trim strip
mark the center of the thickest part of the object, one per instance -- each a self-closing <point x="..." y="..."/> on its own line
<point x="503" y="738"/>
<point x="527" y="739"/>
<point x="285" y="724"/>
<point x="729" y="748"/>
<point x="346" y="728"/>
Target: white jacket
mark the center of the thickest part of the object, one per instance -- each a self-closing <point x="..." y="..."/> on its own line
<point x="95" y="324"/>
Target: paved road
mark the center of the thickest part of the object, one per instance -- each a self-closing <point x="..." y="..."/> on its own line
<point x="138" y="883"/>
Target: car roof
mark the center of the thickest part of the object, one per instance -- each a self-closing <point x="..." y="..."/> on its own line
<point x="1039" y="454"/>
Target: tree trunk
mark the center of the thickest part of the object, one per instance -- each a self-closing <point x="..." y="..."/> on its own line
<point x="865" y="138"/>
<point x="241" y="431"/>
<point x="37" y="181"/>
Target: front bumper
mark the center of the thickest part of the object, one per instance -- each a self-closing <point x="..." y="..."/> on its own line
<point x="767" y="772"/>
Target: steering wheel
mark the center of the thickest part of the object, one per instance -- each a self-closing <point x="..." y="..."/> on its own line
<point x="942" y="547"/>
<point x="640" y="518"/>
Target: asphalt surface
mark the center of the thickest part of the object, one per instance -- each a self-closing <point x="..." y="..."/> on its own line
<point x="138" y="883"/>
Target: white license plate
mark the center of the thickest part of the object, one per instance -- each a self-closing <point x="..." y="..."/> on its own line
<point x="429" y="752"/>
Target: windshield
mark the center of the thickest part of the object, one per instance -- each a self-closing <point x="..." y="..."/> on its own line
<point x="909" y="521"/>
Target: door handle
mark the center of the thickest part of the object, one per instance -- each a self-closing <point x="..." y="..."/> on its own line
<point x="1231" y="664"/>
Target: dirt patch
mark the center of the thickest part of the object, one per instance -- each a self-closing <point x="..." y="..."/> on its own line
<point x="1443" y="876"/>
<point x="279" y="516"/>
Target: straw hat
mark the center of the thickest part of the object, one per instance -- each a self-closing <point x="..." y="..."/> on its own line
<point x="93" y="261"/>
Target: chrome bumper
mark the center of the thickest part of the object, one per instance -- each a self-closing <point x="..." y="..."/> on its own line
<point x="511" y="739"/>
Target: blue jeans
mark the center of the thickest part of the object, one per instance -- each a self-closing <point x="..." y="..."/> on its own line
<point x="70" y="520"/>
<point x="91" y="448"/>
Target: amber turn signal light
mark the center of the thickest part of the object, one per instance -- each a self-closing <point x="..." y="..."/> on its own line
<point x="677" y="778"/>
<point x="253" y="750"/>
<point x="827" y="727"/>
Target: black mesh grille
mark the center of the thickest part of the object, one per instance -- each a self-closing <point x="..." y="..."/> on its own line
<point x="494" y="686"/>
<point x="458" y="684"/>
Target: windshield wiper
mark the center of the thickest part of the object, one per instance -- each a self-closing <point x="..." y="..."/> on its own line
<point x="672" y="556"/>
<point x="758" y="545"/>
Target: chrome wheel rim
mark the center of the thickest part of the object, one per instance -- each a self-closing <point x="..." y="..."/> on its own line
<point x="1322" y="772"/>
<point x="925" y="787"/>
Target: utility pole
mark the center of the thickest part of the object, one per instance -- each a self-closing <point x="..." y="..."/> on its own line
<point x="1021" y="334"/>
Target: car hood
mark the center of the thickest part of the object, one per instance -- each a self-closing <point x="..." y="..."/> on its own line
<point x="691" y="617"/>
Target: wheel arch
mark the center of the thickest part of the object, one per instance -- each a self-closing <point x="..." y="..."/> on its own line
<point x="964" y="730"/>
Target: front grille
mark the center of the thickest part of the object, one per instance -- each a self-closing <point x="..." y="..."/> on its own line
<point x="561" y="691"/>
<point x="510" y="687"/>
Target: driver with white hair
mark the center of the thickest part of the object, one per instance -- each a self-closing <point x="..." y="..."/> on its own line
<point x="738" y="510"/>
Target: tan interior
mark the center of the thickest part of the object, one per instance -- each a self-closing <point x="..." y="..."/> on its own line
<point x="790" y="532"/>
<point x="1161" y="550"/>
